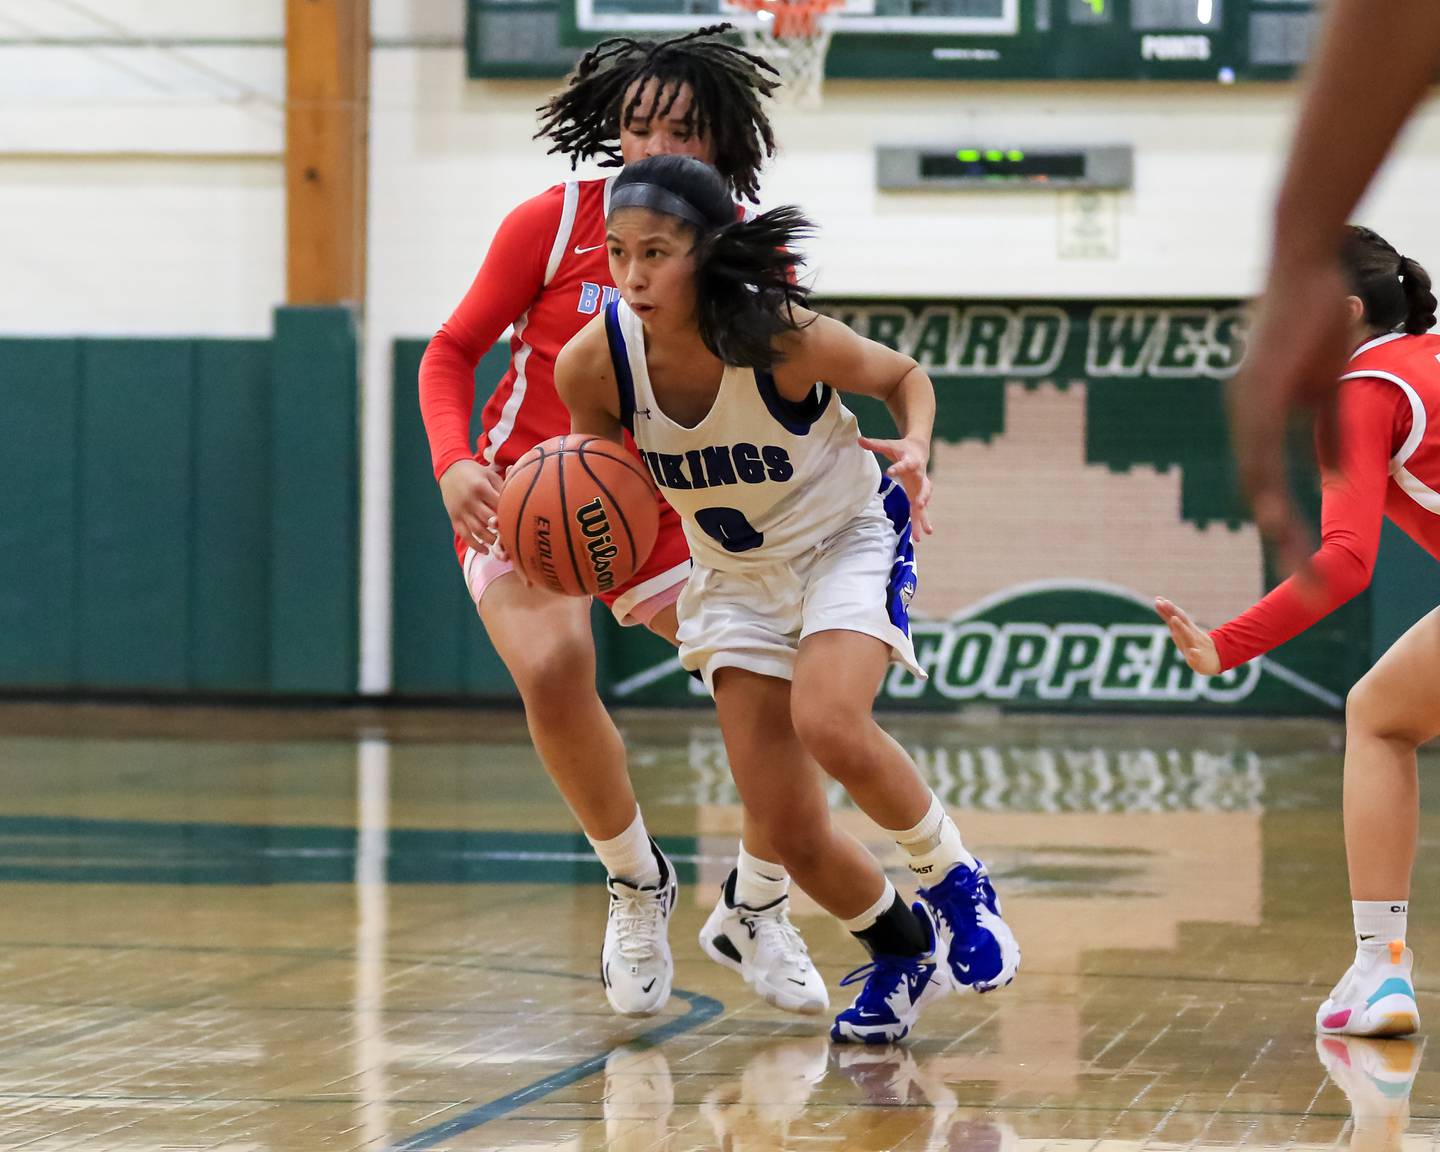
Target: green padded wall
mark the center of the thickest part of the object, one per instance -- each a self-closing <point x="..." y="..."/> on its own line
<point x="40" y="397"/>
<point x="231" y="559"/>
<point x="135" y="475"/>
<point x="314" y="583"/>
<point x="138" y="488"/>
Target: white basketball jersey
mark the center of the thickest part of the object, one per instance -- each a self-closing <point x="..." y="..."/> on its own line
<point x="760" y="479"/>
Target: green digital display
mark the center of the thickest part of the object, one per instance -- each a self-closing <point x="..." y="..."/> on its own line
<point x="1216" y="41"/>
<point x="997" y="165"/>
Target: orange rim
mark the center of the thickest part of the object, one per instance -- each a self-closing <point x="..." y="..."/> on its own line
<point x="791" y="17"/>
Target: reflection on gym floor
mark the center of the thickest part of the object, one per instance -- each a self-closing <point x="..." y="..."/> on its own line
<point x="296" y="931"/>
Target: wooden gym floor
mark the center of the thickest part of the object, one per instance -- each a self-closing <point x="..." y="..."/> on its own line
<point x="275" y="930"/>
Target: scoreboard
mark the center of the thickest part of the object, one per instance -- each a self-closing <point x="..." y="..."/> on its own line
<point x="1217" y="41"/>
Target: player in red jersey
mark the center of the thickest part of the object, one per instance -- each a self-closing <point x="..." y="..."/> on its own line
<point x="546" y="274"/>
<point x="1389" y="419"/>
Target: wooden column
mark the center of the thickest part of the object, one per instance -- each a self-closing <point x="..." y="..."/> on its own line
<point x="327" y="56"/>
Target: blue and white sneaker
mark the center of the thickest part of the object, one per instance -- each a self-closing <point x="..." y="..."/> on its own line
<point x="896" y="988"/>
<point x="982" y="951"/>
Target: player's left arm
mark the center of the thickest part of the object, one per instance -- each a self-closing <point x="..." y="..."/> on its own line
<point x="585" y="382"/>
<point x="1351" y="513"/>
<point x="827" y="350"/>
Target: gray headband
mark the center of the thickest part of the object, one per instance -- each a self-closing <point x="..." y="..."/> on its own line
<point x="658" y="199"/>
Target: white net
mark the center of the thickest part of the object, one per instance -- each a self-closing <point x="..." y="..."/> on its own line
<point x="794" y="38"/>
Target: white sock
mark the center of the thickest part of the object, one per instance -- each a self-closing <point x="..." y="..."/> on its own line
<point x="867" y="918"/>
<point x="759" y="882"/>
<point x="1377" y="922"/>
<point x="628" y="857"/>
<point x="933" y="846"/>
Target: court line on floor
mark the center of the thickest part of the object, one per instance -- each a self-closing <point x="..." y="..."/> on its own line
<point x="702" y="1009"/>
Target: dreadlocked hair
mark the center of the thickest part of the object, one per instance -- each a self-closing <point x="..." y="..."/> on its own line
<point x="727" y="86"/>
<point x="1394" y="289"/>
<point x="746" y="292"/>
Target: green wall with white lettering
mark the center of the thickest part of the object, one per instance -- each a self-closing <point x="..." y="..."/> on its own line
<point x="1082" y="460"/>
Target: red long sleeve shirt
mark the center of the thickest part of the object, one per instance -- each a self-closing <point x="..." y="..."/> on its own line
<point x="546" y="273"/>
<point x="1389" y="409"/>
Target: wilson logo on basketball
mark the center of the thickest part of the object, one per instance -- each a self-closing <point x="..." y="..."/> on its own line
<point x="594" y="522"/>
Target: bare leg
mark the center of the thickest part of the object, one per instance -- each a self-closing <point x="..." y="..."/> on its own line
<point x="666" y="624"/>
<point x="1393" y="709"/>
<point x="789" y="805"/>
<point x="546" y="643"/>
<point x="837" y="674"/>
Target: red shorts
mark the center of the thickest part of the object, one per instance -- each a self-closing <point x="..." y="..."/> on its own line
<point x="653" y="588"/>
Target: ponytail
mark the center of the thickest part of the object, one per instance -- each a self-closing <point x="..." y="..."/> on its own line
<point x="1394" y="289"/>
<point x="745" y="287"/>
<point x="747" y="292"/>
<point x="1419" y="299"/>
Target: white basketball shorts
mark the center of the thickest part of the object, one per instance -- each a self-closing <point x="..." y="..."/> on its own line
<point x="860" y="579"/>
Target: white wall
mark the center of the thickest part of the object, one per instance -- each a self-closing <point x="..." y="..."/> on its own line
<point x="141" y="178"/>
<point x="141" y="166"/>
<point x="450" y="157"/>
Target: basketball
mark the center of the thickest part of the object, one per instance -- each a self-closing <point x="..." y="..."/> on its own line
<point x="578" y="515"/>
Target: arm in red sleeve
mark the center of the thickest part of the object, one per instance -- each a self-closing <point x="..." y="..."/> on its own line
<point x="512" y="275"/>
<point x="1352" y="510"/>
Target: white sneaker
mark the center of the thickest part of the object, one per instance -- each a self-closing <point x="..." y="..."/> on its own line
<point x="766" y="949"/>
<point x="1376" y="997"/>
<point x="635" y="964"/>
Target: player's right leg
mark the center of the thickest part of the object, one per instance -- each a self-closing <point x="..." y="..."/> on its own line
<point x="906" y="972"/>
<point x="749" y="931"/>
<point x="547" y="646"/>
<point x="1391" y="711"/>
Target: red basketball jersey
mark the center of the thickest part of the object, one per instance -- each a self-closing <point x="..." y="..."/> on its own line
<point x="1389" y="411"/>
<point x="545" y="275"/>
<point x="1404" y="372"/>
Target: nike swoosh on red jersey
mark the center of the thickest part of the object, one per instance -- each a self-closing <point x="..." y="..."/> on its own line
<point x="581" y="251"/>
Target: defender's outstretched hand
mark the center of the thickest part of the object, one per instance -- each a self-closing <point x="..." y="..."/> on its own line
<point x="1193" y="641"/>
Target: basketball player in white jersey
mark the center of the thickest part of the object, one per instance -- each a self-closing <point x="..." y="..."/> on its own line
<point x="804" y="565"/>
<point x="545" y="275"/>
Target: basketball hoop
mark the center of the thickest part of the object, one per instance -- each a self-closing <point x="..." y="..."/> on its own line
<point x="793" y="35"/>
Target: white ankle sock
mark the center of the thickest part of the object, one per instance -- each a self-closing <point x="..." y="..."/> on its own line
<point x="759" y="882"/>
<point x="867" y="918"/>
<point x="1377" y="922"/>
<point x="628" y="856"/>
<point x="933" y="846"/>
